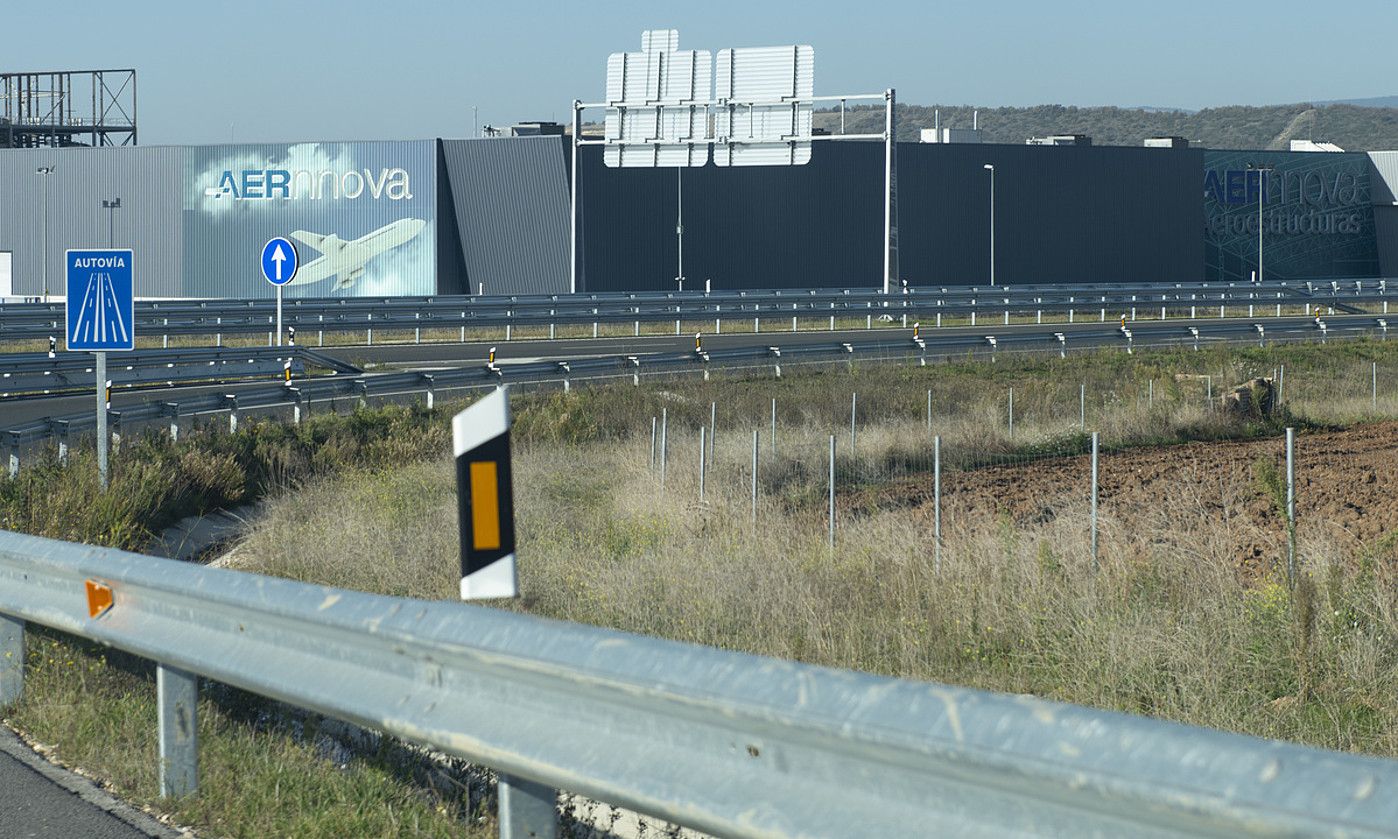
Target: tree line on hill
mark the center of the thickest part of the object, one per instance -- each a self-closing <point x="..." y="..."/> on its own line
<point x="1352" y="127"/>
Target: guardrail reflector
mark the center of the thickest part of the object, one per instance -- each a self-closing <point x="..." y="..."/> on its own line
<point x="99" y="598"/>
<point x="485" y="498"/>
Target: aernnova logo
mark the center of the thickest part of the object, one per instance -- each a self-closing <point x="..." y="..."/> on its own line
<point x="286" y="184"/>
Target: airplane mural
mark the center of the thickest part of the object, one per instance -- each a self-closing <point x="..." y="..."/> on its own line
<point x="345" y="260"/>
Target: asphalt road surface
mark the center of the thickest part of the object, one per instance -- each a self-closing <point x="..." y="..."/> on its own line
<point x="41" y="801"/>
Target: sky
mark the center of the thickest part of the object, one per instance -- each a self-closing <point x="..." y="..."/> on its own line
<point x="257" y="70"/>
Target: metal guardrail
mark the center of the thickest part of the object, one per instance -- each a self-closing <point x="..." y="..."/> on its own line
<point x="27" y="373"/>
<point x="244" y="317"/>
<point x="722" y="742"/>
<point x="299" y="395"/>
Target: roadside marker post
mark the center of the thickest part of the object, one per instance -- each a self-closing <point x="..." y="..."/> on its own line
<point x="100" y="316"/>
<point x="485" y="498"/>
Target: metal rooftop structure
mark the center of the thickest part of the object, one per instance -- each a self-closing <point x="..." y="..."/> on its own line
<point x="68" y="108"/>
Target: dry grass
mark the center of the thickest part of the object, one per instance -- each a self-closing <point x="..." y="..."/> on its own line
<point x="1166" y="627"/>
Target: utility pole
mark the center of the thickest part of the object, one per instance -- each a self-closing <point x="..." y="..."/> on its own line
<point x="46" y="171"/>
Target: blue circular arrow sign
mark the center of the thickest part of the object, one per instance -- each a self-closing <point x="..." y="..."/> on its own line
<point x="279" y="261"/>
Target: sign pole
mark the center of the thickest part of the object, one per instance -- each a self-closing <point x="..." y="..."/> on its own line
<point x="279" y="316"/>
<point x="573" y="204"/>
<point x="102" y="407"/>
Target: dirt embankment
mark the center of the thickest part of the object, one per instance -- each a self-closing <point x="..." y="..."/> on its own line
<point x="1346" y="490"/>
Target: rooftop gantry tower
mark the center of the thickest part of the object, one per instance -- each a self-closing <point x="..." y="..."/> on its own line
<point x="68" y="108"/>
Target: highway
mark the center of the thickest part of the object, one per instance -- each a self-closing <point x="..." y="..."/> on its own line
<point x="746" y="348"/>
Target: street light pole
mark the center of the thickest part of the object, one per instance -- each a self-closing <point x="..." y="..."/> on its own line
<point x="46" y="171"/>
<point x="992" y="222"/>
<point x="1261" y="182"/>
<point x="111" y="207"/>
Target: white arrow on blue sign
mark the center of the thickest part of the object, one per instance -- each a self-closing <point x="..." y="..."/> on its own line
<point x="279" y="261"/>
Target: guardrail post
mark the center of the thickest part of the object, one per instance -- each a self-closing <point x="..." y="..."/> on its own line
<point x="527" y="810"/>
<point x="178" y="697"/>
<point x="11" y="659"/>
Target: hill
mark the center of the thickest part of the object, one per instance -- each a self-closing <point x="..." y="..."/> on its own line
<point x="1353" y="127"/>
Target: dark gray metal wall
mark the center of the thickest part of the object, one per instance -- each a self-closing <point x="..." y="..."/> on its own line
<point x="1063" y="214"/>
<point x="149" y="182"/>
<point x="757" y="227"/>
<point x="1386" y="229"/>
<point x="510" y="200"/>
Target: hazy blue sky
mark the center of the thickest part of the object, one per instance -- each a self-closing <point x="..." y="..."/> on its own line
<point x="261" y="70"/>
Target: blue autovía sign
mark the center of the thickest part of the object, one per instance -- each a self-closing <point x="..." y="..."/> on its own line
<point x="100" y="300"/>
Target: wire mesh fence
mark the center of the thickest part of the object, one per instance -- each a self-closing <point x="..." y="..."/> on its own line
<point x="1026" y="451"/>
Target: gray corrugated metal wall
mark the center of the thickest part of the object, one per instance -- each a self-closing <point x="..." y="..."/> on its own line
<point x="1383" y="177"/>
<point x="1063" y="214"/>
<point x="511" y="205"/>
<point x="148" y="180"/>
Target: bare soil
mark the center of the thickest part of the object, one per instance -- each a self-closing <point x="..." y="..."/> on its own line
<point x="1346" y="491"/>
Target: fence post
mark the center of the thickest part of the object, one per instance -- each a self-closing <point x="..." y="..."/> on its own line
<point x="664" y="447"/>
<point x="1374" y="384"/>
<point x="1012" y="413"/>
<point x="772" y="441"/>
<point x="929" y="409"/>
<point x="937" y="504"/>
<point x="1150" y="395"/>
<point x="527" y="810"/>
<point x="178" y="697"/>
<point x="654" y="426"/>
<point x="713" y="429"/>
<point x="702" y="469"/>
<point x="11" y="659"/>
<point x="755" y="436"/>
<point x="853" y="411"/>
<point x="1291" y="507"/>
<point x="832" y="492"/>
<point x="1095" y="441"/>
<point x="1082" y="406"/>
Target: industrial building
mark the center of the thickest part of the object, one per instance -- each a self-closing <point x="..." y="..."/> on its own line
<point x="453" y="216"/>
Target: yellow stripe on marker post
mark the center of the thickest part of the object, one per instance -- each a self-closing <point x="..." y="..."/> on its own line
<point x="481" y="441"/>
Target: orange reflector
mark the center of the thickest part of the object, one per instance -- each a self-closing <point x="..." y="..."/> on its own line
<point x="485" y="506"/>
<point x="99" y="598"/>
